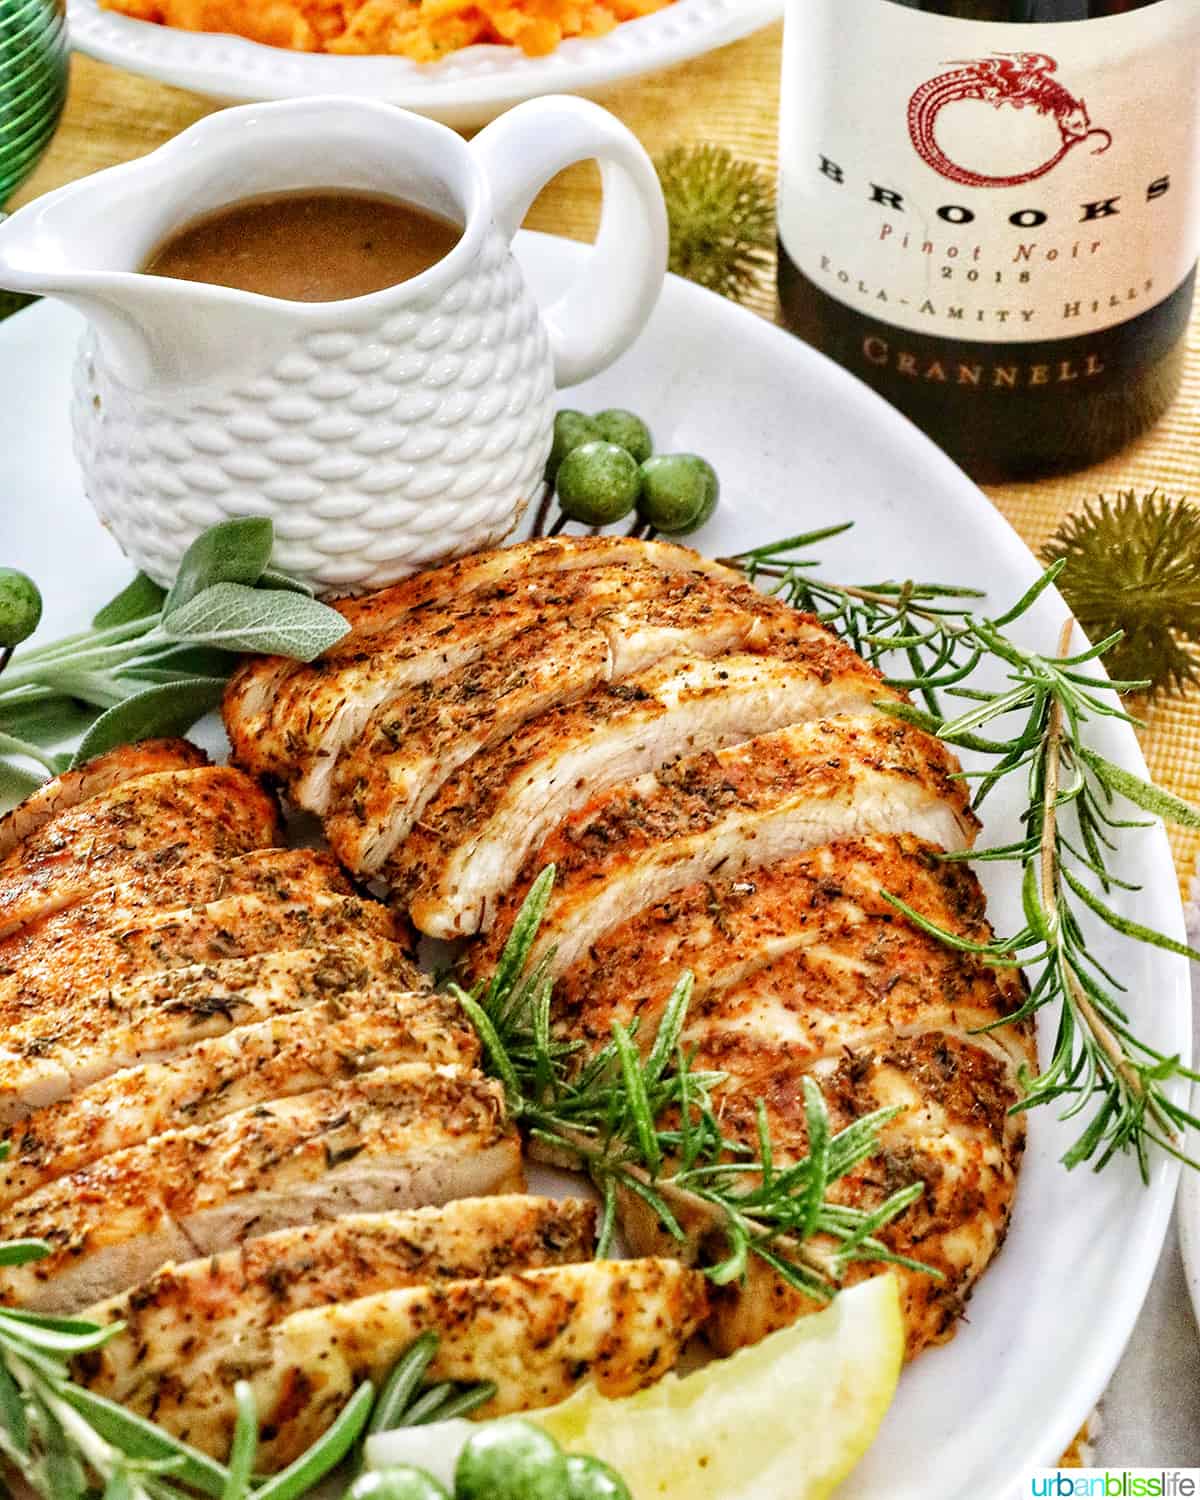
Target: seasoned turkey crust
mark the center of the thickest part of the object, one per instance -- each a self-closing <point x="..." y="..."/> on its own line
<point x="415" y="742"/>
<point x="803" y="968"/>
<point x="725" y="929"/>
<point x="71" y="976"/>
<point x="103" y="773"/>
<point x="645" y="614"/>
<point x="283" y="875"/>
<point x="185" y="1318"/>
<point x="539" y="1335"/>
<point x="255" y="685"/>
<point x="49" y="1055"/>
<point x="399" y="1137"/>
<point x="355" y="1032"/>
<point x="139" y="829"/>
<point x="488" y="819"/>
<point x="735" y="810"/>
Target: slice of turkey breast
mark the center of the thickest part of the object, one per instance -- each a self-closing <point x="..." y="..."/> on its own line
<point x="956" y="1135"/>
<point x="186" y="1317"/>
<point x="58" y="984"/>
<point x="849" y="990"/>
<point x="98" y="775"/>
<point x="314" y="717"/>
<point x="539" y="1335"/>
<point x="396" y="1138"/>
<point x="254" y="686"/>
<point x="294" y="1054"/>
<point x="878" y="1013"/>
<point x="725" y="929"/>
<point x="416" y="741"/>
<point x="286" y="875"/>
<point x="722" y="813"/>
<point x="51" y="1055"/>
<point x="503" y="803"/>
<point x="138" y="829"/>
<point x="369" y="614"/>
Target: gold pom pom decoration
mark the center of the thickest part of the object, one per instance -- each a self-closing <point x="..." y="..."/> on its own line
<point x="1134" y="565"/>
<point x="722" y="217"/>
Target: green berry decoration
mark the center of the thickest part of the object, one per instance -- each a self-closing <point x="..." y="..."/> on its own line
<point x="592" y="1479"/>
<point x="571" y="428"/>
<point x="20" y="607"/>
<point x="401" y="1482"/>
<point x="679" y="493"/>
<point x="721" y="213"/>
<point x="627" y="430"/>
<point x="511" y="1460"/>
<point x="1134" y="565"/>
<point x="598" y="484"/>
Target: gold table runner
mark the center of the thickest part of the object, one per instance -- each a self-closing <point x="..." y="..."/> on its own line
<point x="729" y="97"/>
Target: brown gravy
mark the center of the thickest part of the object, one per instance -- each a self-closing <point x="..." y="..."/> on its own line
<point x="318" y="246"/>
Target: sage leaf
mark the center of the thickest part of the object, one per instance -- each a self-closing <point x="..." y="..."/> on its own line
<point x="118" y="1486"/>
<point x="182" y="661"/>
<point x="231" y="552"/>
<point x="62" y="1472"/>
<point x="16" y="785"/>
<point x="167" y="709"/>
<point x="238" y="618"/>
<point x="136" y="600"/>
<point x="275" y="578"/>
<point x="49" y="722"/>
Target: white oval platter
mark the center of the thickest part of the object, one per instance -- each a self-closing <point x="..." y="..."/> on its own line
<point x="468" y="88"/>
<point x="800" y="444"/>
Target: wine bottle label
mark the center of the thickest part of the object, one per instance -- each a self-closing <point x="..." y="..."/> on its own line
<point x="991" y="182"/>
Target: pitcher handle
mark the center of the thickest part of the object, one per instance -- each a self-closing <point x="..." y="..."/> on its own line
<point x="607" y="306"/>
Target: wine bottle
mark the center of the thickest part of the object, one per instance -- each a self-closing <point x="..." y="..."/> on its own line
<point x="989" y="210"/>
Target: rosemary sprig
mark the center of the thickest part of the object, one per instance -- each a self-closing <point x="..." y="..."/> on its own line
<point x="1041" y="722"/>
<point x="646" y="1126"/>
<point x="922" y="622"/>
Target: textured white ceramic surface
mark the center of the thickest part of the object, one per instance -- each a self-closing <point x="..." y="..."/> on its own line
<point x="373" y="446"/>
<point x="467" y="88"/>
<point x="800" y="444"/>
<point x="381" y="433"/>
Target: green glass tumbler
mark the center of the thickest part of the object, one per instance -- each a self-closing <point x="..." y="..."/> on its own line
<point x="33" y="84"/>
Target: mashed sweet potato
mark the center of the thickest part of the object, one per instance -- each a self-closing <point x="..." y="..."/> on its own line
<point x="424" y="30"/>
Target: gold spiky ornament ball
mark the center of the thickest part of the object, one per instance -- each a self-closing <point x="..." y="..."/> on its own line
<point x="1134" y="565"/>
<point x="722" y="216"/>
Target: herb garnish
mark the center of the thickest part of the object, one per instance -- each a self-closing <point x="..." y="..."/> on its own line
<point x="154" y="662"/>
<point x="1101" y="1069"/>
<point x="647" y="1126"/>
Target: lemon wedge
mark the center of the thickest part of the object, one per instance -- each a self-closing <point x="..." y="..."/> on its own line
<point x="789" y="1417"/>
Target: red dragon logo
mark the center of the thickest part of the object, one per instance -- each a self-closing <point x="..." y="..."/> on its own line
<point x="1017" y="80"/>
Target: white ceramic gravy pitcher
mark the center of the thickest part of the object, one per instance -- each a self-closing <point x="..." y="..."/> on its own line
<point x="380" y="433"/>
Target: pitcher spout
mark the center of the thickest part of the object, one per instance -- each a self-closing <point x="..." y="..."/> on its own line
<point x="86" y="244"/>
